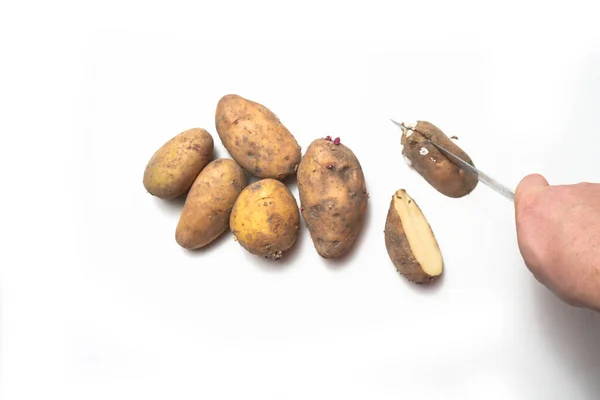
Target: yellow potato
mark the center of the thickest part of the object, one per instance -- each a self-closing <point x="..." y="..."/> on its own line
<point x="175" y="165"/>
<point x="441" y="173"/>
<point x="207" y="208"/>
<point x="333" y="196"/>
<point x="256" y="139"/>
<point x="265" y="219"/>
<point x="410" y="242"/>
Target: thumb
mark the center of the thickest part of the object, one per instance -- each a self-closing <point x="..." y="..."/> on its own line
<point x="530" y="183"/>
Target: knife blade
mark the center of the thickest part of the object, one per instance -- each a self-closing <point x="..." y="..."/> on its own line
<point x="483" y="178"/>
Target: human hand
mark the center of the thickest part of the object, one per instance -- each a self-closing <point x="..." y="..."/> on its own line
<point x="558" y="232"/>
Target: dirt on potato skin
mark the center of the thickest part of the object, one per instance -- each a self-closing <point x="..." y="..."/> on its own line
<point x="439" y="171"/>
<point x="256" y="138"/>
<point x="398" y="247"/>
<point x="265" y="219"/>
<point x="333" y="196"/>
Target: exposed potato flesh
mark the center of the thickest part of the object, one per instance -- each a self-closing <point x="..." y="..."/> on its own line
<point x="410" y="241"/>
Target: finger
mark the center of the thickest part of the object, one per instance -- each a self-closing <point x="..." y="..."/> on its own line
<point x="530" y="183"/>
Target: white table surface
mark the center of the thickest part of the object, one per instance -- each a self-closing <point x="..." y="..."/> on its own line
<point x="98" y="300"/>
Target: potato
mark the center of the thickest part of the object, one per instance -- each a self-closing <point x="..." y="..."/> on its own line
<point x="265" y="219"/>
<point x="175" y="165"/>
<point x="410" y="242"/>
<point x="207" y="208"/>
<point x="333" y="196"/>
<point x="440" y="172"/>
<point x="256" y="139"/>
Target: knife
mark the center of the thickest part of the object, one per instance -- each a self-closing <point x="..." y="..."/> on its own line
<point x="485" y="179"/>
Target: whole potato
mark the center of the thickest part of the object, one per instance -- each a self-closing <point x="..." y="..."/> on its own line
<point x="333" y="196"/>
<point x="207" y="208"/>
<point x="265" y="219"/>
<point x="441" y="173"/>
<point x="175" y="165"/>
<point x="410" y="242"/>
<point x="256" y="139"/>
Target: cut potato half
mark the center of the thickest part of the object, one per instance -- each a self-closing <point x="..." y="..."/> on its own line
<point x="410" y="241"/>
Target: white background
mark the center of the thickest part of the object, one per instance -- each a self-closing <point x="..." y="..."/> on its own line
<point x="99" y="302"/>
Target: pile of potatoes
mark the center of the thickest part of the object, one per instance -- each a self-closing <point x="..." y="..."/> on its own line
<point x="264" y="216"/>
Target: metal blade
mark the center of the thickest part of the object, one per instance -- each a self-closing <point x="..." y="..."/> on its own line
<point x="497" y="186"/>
<point x="492" y="183"/>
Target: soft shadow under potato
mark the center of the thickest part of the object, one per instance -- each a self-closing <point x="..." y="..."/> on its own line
<point x="172" y="207"/>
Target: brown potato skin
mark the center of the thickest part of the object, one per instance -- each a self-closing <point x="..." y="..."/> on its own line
<point x="445" y="176"/>
<point x="208" y="205"/>
<point x="399" y="249"/>
<point x="265" y="219"/>
<point x="173" y="168"/>
<point x="256" y="139"/>
<point x="334" y="200"/>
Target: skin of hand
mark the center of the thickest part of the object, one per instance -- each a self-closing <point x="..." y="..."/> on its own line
<point x="558" y="233"/>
